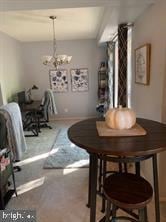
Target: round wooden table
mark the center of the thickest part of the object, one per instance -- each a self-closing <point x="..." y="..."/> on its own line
<point x="84" y="134"/>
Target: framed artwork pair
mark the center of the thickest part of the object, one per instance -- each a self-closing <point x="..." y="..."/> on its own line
<point x="79" y="79"/>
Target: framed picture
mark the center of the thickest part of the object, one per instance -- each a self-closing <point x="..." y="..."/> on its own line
<point x="79" y="80"/>
<point x="142" y="64"/>
<point x="59" y="80"/>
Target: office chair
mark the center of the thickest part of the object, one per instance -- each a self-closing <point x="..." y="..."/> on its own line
<point x="42" y="114"/>
<point x="41" y="117"/>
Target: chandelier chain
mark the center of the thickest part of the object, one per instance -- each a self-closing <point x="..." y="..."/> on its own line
<point x="54" y="39"/>
<point x="55" y="60"/>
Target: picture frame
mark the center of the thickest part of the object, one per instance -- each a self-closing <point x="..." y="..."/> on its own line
<point x="79" y="80"/>
<point x="58" y="80"/>
<point x="142" y="64"/>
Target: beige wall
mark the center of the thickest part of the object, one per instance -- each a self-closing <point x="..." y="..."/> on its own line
<point x="85" y="54"/>
<point x="11" y="68"/>
<point x="148" y="100"/>
<point x="151" y="28"/>
<point x="21" y="67"/>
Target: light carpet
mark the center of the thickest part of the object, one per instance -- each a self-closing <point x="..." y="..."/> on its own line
<point x="57" y="195"/>
<point x="65" y="154"/>
<point x="39" y="144"/>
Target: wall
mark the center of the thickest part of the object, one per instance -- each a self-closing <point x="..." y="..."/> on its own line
<point x="85" y="54"/>
<point x="148" y="100"/>
<point x="1" y="96"/>
<point x="11" y="69"/>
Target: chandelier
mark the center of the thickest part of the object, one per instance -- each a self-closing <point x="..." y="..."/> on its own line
<point x="55" y="60"/>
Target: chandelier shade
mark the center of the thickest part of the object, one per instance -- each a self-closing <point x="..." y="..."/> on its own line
<point x="55" y="60"/>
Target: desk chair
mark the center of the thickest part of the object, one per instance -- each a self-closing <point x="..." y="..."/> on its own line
<point x="39" y="117"/>
<point x="47" y="107"/>
<point x="29" y="117"/>
<point x="42" y="113"/>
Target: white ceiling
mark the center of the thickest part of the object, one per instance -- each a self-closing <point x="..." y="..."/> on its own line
<point x="79" y="20"/>
<point x="73" y="23"/>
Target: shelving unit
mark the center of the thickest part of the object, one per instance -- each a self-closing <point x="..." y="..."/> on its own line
<point x="5" y="192"/>
<point x="102" y="89"/>
<point x="6" y="167"/>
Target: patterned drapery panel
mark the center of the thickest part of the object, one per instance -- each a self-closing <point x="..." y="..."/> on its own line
<point x="122" y="60"/>
<point x="111" y="72"/>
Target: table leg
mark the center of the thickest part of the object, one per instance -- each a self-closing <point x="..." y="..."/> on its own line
<point x="103" y="179"/>
<point x="93" y="186"/>
<point x="89" y="183"/>
<point x="36" y="123"/>
<point x="137" y="168"/>
<point x="156" y="188"/>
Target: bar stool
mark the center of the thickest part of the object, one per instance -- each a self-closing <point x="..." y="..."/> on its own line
<point x="128" y="192"/>
<point x="104" y="172"/>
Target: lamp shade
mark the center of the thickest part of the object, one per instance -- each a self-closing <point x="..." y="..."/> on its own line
<point x="34" y="87"/>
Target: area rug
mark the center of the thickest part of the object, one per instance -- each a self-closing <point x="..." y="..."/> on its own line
<point x="65" y="154"/>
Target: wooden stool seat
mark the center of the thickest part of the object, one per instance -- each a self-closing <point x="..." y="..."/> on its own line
<point x="128" y="191"/>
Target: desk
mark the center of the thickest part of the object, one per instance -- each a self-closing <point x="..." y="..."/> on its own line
<point x="84" y="134"/>
<point x="32" y="107"/>
<point x="35" y="105"/>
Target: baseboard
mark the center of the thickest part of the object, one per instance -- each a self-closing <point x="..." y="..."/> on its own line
<point x="70" y="118"/>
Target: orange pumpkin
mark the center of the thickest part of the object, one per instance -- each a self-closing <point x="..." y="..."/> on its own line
<point x="120" y="118"/>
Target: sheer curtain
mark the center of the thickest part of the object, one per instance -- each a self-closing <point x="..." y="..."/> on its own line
<point x="111" y="72"/>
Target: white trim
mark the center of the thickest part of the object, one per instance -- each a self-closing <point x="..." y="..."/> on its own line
<point x="71" y="118"/>
<point x="129" y="66"/>
<point x="1" y="96"/>
<point x="116" y="74"/>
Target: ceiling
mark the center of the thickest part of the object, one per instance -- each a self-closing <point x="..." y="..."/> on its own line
<point x="73" y="23"/>
<point x="76" y="19"/>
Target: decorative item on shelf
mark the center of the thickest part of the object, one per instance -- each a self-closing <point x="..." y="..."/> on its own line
<point x="55" y="60"/>
<point x="29" y="93"/>
<point x="102" y="66"/>
<point x="120" y="118"/>
<point x="102" y="89"/>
